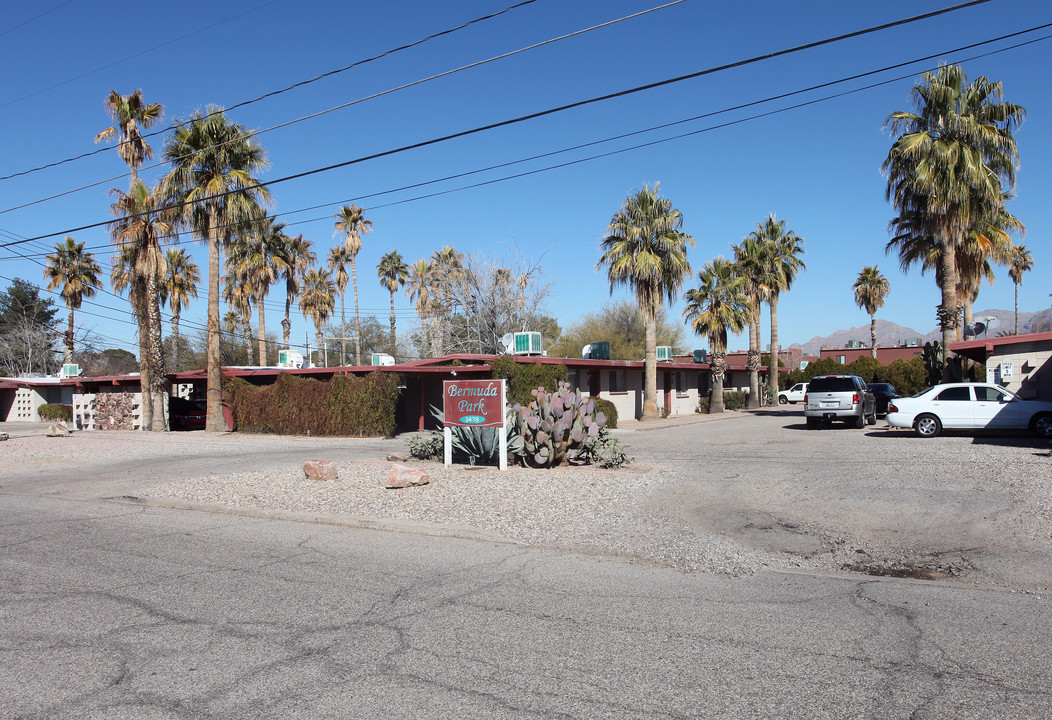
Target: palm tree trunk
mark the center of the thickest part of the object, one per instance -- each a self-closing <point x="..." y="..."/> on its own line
<point x="947" y="312"/>
<point x="175" y="338"/>
<point x="650" y="410"/>
<point x="262" y="334"/>
<point x="718" y="368"/>
<point x="754" y="357"/>
<point x="321" y="347"/>
<point x="393" y="324"/>
<point x="873" y="335"/>
<point x="286" y="323"/>
<point x="158" y="382"/>
<point x="357" y="321"/>
<point x="1017" y="308"/>
<point x="967" y="319"/>
<point x="69" y="339"/>
<point x="214" y="370"/>
<point x="246" y="332"/>
<point x="343" y="329"/>
<point x="772" y="372"/>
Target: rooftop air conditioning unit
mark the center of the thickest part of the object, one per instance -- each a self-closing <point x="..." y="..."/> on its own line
<point x="290" y="359"/>
<point x="596" y="351"/>
<point x="382" y="359"/>
<point x="701" y="356"/>
<point x="664" y="353"/>
<point x="912" y="342"/>
<point x="522" y="343"/>
<point x="70" y="370"/>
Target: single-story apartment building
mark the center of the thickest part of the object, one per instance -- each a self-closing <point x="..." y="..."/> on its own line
<point x="1019" y="363"/>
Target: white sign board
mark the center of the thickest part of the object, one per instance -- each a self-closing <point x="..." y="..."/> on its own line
<point x="1006" y="369"/>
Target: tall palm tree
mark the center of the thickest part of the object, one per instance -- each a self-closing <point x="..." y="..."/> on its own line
<point x="420" y="289"/>
<point x="949" y="165"/>
<point x="317" y="300"/>
<point x="871" y="288"/>
<point x="644" y="249"/>
<point x="785" y="249"/>
<point x="238" y="295"/>
<point x="177" y="289"/>
<point x="75" y="274"/>
<point x="393" y="274"/>
<point x="351" y="224"/>
<point x="718" y="304"/>
<point x="339" y="257"/>
<point x="257" y="254"/>
<point x="213" y="165"/>
<point x="447" y="269"/>
<point x="296" y="258"/>
<point x="130" y="115"/>
<point x="144" y="221"/>
<point x="752" y="257"/>
<point x="1022" y="262"/>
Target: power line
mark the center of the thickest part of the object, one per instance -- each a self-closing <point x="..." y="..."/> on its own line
<point x="261" y="97"/>
<point x="551" y="111"/>
<point x="35" y="17"/>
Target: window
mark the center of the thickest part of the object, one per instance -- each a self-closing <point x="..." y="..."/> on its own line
<point x="955" y="394"/>
<point x="681" y="383"/>
<point x="841" y="359"/>
<point x="617" y="381"/>
<point x="989" y="394"/>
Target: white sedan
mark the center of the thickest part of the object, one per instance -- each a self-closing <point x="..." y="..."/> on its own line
<point x="969" y="406"/>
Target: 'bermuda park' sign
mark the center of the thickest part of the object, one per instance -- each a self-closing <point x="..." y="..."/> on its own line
<point x="474" y="403"/>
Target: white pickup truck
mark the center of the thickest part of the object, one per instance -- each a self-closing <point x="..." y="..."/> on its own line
<point x="793" y="395"/>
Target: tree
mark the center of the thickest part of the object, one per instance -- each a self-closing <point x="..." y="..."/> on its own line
<point x="75" y="274"/>
<point x="948" y="166"/>
<point x="296" y="258"/>
<point x="351" y="223"/>
<point x="871" y="288"/>
<point x="718" y="304"/>
<point x="645" y="250"/>
<point x="317" y="300"/>
<point x="177" y="289"/>
<point x="420" y="290"/>
<point x="393" y="273"/>
<point x="339" y="257"/>
<point x="130" y="114"/>
<point x="752" y="257"/>
<point x="27" y="331"/>
<point x="143" y="222"/>
<point x="238" y="295"/>
<point x="258" y="256"/>
<point x="213" y="161"/>
<point x="1021" y="262"/>
<point x="619" y="323"/>
<point x="783" y="257"/>
<point x="447" y="270"/>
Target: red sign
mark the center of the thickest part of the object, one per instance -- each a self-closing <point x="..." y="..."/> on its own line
<point x="473" y="403"/>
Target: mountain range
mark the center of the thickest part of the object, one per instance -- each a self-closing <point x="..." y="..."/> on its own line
<point x="889" y="333"/>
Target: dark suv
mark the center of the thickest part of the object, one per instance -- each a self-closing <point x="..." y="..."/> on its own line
<point x="839" y="397"/>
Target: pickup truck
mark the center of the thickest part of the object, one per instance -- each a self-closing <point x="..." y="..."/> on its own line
<point x="793" y="395"/>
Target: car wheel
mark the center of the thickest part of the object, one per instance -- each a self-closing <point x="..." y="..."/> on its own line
<point x="783" y="400"/>
<point x="860" y="421"/>
<point x="928" y="426"/>
<point x="872" y="419"/>
<point x="1042" y="425"/>
<point x="812" y="423"/>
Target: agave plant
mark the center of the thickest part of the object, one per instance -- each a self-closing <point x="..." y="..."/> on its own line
<point x="482" y="444"/>
<point x="554" y="424"/>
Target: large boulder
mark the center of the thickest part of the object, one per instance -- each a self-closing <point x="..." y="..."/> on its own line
<point x="320" y="470"/>
<point x="400" y="476"/>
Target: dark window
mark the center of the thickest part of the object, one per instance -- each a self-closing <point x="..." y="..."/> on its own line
<point x="956" y="394"/>
<point x="832" y="384"/>
<point x="989" y="394"/>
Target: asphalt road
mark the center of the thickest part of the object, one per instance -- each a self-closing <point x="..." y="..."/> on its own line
<point x="112" y="610"/>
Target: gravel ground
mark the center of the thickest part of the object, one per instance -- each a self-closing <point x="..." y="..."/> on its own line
<point x="727" y="495"/>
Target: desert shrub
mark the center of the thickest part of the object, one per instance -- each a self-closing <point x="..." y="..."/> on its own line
<point x="703" y="404"/>
<point x="604" y="450"/>
<point x="343" y="406"/>
<point x="53" y="411"/>
<point x="524" y="378"/>
<point x="609" y="409"/>
<point x="425" y="445"/>
<point x="735" y="399"/>
<point x="908" y="376"/>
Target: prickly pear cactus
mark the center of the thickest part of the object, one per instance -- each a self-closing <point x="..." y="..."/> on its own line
<point x="554" y="424"/>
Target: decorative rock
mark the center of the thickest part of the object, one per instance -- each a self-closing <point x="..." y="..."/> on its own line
<point x="400" y="477"/>
<point x="320" y="470"/>
<point x="4" y="436"/>
<point x="57" y="430"/>
<point x="398" y="457"/>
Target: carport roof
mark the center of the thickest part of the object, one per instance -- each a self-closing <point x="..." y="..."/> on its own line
<point x="979" y="350"/>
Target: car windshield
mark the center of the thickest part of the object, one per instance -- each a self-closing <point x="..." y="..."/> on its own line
<point x="831" y="384"/>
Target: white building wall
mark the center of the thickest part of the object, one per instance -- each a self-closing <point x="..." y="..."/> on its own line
<point x="1031" y="368"/>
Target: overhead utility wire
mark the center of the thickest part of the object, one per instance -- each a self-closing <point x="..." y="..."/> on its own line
<point x="35" y="17"/>
<point x="265" y="95"/>
<point x="551" y="111"/>
<point x="255" y="133"/>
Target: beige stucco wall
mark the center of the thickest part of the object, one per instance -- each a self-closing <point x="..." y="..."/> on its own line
<point x="1031" y="369"/>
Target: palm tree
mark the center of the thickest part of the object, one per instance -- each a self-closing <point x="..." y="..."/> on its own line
<point x="130" y="114"/>
<point x="257" y="255"/>
<point x="420" y="288"/>
<point x="339" y="256"/>
<point x="718" y="304"/>
<point x="752" y="257"/>
<point x="143" y="222"/>
<point x="644" y="249"/>
<point x="75" y="273"/>
<point x="317" y="300"/>
<point x="177" y="289"/>
<point x="351" y="223"/>
<point x="296" y="258"/>
<point x="213" y="161"/>
<point x="393" y="273"/>
<point x="949" y="165"/>
<point x="785" y="249"/>
<point x="871" y="288"/>
<point x="1022" y="262"/>
<point x="238" y="295"/>
<point x="447" y="269"/>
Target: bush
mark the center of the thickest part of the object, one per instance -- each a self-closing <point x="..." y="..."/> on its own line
<point x="425" y="445"/>
<point x="735" y="399"/>
<point x="609" y="409"/>
<point x="344" y="406"/>
<point x="703" y="404"/>
<point x="52" y="411"/>
<point x="604" y="450"/>
<point x="524" y="378"/>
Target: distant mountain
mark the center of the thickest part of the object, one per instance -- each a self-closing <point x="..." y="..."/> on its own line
<point x="889" y="333"/>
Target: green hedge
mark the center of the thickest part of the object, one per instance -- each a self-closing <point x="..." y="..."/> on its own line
<point x="348" y="406"/>
<point x="525" y="377"/>
<point x="609" y="409"/>
<point x="52" y="412"/>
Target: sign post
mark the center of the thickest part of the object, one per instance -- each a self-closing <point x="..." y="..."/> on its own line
<point x="474" y="403"/>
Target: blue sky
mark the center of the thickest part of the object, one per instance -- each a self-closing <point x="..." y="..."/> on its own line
<point x="818" y="166"/>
